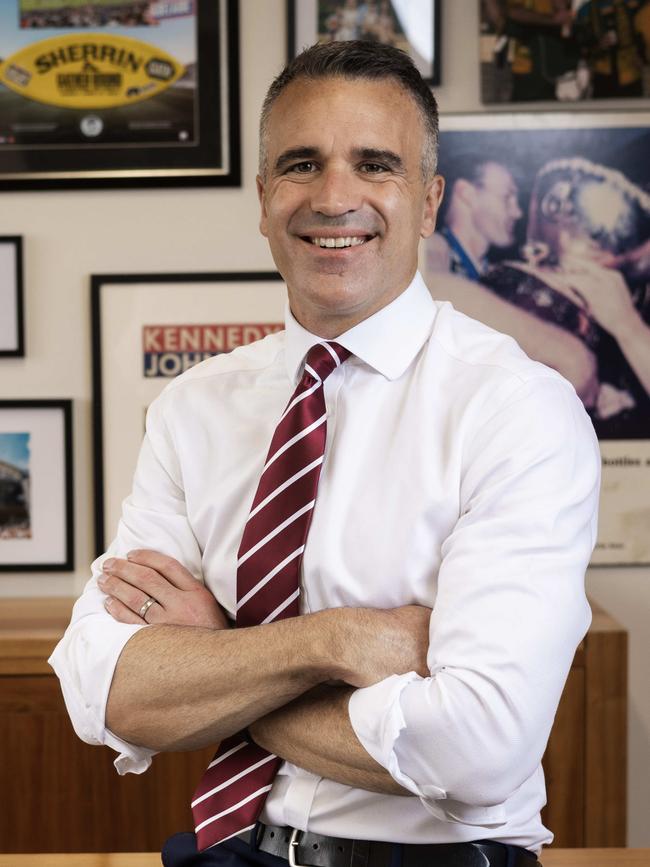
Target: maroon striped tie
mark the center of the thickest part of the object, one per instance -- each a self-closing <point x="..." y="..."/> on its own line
<point x="233" y="789"/>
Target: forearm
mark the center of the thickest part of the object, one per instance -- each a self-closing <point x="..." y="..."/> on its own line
<point x="314" y="732"/>
<point x="180" y="687"/>
<point x="542" y="341"/>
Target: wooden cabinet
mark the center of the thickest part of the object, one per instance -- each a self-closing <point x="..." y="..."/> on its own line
<point x="61" y="795"/>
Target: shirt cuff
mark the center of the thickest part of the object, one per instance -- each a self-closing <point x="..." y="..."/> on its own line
<point x="378" y="719"/>
<point x="84" y="661"/>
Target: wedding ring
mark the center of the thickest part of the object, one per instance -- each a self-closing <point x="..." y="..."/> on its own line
<point x="147" y="605"/>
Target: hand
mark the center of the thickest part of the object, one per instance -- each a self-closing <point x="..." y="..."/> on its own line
<point x="179" y="598"/>
<point x="371" y="644"/>
<point x="602" y="291"/>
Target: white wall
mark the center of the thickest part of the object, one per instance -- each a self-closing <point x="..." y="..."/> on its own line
<point x="70" y="235"/>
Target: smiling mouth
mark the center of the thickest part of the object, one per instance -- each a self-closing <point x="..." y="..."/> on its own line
<point x="338" y="243"/>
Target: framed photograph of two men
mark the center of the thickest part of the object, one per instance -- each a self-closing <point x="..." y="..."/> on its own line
<point x="412" y="25"/>
<point x="547" y="219"/>
<point x="106" y="93"/>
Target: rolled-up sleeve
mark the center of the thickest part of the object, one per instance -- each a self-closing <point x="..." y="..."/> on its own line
<point x="154" y="516"/>
<point x="509" y="613"/>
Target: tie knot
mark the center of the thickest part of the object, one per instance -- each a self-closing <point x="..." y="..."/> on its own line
<point x="323" y="357"/>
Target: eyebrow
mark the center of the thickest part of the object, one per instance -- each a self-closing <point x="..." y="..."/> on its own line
<point x="379" y="155"/>
<point x="303" y="152"/>
<point x="307" y="152"/>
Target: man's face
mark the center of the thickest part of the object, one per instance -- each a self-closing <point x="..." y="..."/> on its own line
<point x="495" y="206"/>
<point x="344" y="203"/>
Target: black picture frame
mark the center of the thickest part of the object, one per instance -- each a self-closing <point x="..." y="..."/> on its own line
<point x="120" y="307"/>
<point x="211" y="156"/>
<point x="12" y="345"/>
<point x="55" y="492"/>
<point x="297" y="13"/>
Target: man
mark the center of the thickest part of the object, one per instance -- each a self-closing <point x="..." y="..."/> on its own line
<point x="441" y="592"/>
<point x="613" y="36"/>
<point x="482" y="212"/>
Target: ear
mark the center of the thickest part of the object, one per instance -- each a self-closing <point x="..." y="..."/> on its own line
<point x="261" y="195"/>
<point x="433" y="197"/>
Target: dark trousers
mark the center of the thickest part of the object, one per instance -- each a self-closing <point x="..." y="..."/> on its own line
<point x="180" y="851"/>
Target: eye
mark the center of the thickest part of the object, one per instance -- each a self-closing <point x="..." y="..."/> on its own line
<point x="304" y="168"/>
<point x="373" y="168"/>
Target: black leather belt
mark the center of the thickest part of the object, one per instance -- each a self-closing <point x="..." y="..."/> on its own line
<point x="305" y="849"/>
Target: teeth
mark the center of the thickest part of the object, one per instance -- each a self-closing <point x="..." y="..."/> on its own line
<point x="351" y="241"/>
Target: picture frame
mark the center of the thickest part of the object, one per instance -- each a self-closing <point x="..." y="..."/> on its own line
<point x="572" y="53"/>
<point x="566" y="271"/>
<point x="96" y="103"/>
<point x="142" y="336"/>
<point x="36" y="486"/>
<point x="414" y="27"/>
<point x="12" y="328"/>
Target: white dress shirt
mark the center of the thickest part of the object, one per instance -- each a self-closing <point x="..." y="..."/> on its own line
<point x="459" y="475"/>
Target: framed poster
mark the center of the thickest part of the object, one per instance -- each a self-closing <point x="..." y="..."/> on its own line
<point x="36" y="511"/>
<point x="566" y="51"/>
<point x="12" y="337"/>
<point x="547" y="216"/>
<point x="118" y="93"/>
<point x="146" y="329"/>
<point x="412" y="25"/>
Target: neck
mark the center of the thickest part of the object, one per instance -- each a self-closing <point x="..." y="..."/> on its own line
<point x="473" y="242"/>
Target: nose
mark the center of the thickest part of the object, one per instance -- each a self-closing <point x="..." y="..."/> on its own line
<point x="335" y="192"/>
<point x="516" y="211"/>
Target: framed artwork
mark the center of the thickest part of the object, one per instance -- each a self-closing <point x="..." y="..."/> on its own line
<point x="412" y="25"/>
<point x="12" y="337"/>
<point x="566" y="51"/>
<point x="561" y="261"/>
<point x="147" y="329"/>
<point x="118" y="93"/>
<point x="36" y="510"/>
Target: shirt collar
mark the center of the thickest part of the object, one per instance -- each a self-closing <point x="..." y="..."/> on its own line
<point x="388" y="340"/>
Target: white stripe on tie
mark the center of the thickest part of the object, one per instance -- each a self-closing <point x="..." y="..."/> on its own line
<point x="298" y="436"/>
<point x="297" y="399"/>
<point x="313" y="373"/>
<point x="225" y="755"/>
<point x="275" y="532"/>
<point x="234" y="779"/>
<point x="282" y="606"/>
<point x="233" y="808"/>
<point x="268" y="577"/>
<point x="285" y="485"/>
<point x="332" y="352"/>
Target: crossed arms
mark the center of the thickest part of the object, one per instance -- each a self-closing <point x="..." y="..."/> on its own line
<point x="181" y="686"/>
<point x="452" y="705"/>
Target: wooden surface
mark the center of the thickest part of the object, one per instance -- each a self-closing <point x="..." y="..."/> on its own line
<point x="550" y="858"/>
<point x="91" y="808"/>
<point x="29" y="631"/>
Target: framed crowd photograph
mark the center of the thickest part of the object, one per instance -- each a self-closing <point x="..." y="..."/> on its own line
<point x="547" y="217"/>
<point x="412" y="25"/>
<point x="146" y="330"/>
<point x="565" y="50"/>
<point x="12" y="336"/>
<point x="119" y="93"/>
<point x="36" y="508"/>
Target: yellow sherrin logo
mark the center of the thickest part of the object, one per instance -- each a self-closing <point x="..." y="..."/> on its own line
<point x="95" y="70"/>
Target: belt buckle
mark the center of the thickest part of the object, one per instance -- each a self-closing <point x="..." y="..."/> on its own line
<point x="294" y="842"/>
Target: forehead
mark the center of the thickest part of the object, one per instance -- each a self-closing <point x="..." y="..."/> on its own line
<point x="312" y="112"/>
<point x="497" y="177"/>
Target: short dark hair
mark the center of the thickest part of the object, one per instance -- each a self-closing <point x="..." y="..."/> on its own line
<point x="359" y="59"/>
